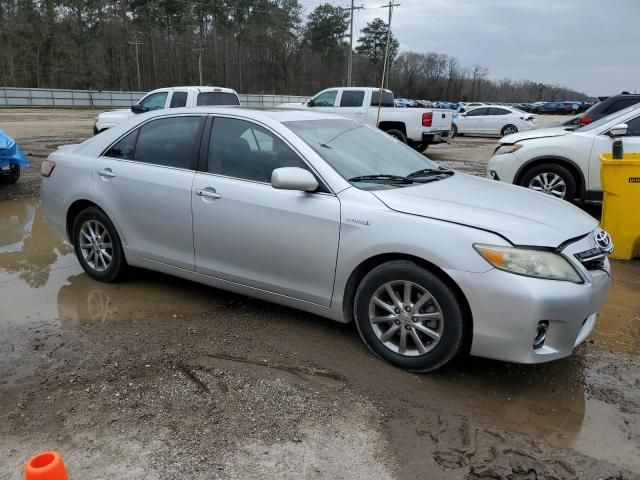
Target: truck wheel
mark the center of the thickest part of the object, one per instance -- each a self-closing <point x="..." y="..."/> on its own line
<point x="398" y="134"/>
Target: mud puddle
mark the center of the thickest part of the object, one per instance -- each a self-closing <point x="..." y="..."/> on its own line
<point x="215" y="381"/>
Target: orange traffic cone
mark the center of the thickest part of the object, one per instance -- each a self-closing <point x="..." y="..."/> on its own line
<point x="45" y="466"/>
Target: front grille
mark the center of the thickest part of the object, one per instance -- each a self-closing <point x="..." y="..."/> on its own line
<point x="592" y="259"/>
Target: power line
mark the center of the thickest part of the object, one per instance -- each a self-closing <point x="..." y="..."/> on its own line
<point x="137" y="42"/>
<point x="350" y="58"/>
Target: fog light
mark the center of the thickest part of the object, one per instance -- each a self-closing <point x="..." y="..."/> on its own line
<point x="541" y="334"/>
<point x="494" y="175"/>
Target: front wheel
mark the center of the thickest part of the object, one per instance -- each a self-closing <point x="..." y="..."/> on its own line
<point x="409" y="317"/>
<point x="97" y="245"/>
<point x="509" y="130"/>
<point x="554" y="180"/>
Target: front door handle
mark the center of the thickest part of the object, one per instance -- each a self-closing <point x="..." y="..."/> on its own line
<point x="208" y="193"/>
<point x="107" y="173"/>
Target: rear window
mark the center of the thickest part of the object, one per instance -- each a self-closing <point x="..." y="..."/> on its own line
<point x="387" y="99"/>
<point x="217" y="98"/>
<point x="352" y="98"/>
<point x="620" y="104"/>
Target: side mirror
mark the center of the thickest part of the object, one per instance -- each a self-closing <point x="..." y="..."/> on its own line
<point x="135" y="108"/>
<point x="619" y="130"/>
<point x="310" y="103"/>
<point x="293" y="178"/>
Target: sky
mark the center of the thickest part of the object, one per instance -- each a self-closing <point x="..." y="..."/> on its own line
<point x="592" y="46"/>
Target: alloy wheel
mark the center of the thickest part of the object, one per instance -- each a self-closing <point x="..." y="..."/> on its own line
<point x="406" y="318"/>
<point x="549" y="183"/>
<point x="96" y="245"/>
<point x="509" y="130"/>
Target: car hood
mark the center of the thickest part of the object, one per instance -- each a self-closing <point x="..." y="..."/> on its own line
<point x="537" y="133"/>
<point x="116" y="113"/>
<point x="522" y="216"/>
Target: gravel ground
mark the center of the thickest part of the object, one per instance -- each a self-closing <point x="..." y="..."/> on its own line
<point x="159" y="378"/>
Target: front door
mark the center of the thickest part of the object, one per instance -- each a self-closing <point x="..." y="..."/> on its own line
<point x="247" y="232"/>
<point x="144" y="182"/>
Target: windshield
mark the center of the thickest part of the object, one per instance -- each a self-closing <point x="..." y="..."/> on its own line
<point x="605" y="120"/>
<point x="356" y="150"/>
<point x="217" y="98"/>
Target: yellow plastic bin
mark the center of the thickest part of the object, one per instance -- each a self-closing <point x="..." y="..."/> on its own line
<point x="621" y="203"/>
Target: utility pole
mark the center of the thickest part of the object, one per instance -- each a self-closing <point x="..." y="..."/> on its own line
<point x="350" y="57"/>
<point x="386" y="53"/>
<point x="137" y="42"/>
<point x="386" y="56"/>
<point x="199" y="50"/>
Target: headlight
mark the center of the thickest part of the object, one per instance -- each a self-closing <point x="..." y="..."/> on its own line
<point x="529" y="262"/>
<point x="507" y="149"/>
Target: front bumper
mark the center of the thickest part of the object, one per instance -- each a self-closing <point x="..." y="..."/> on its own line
<point x="504" y="167"/>
<point x="506" y="309"/>
<point x="435" y="137"/>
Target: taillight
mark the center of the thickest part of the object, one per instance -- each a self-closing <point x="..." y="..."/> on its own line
<point x="47" y="168"/>
<point x="427" y="119"/>
<point x="585" y="120"/>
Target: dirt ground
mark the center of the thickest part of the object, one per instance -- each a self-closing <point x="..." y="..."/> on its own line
<point x="159" y="378"/>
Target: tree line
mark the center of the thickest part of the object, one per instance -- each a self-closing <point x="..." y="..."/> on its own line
<point x="253" y="46"/>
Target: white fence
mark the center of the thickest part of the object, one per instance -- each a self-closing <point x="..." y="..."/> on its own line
<point x="58" y="98"/>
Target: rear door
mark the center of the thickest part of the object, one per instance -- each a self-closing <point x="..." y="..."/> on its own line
<point x="496" y="119"/>
<point x="247" y="232"/>
<point x="143" y="182"/>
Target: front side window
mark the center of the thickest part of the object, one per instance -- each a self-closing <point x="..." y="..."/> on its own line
<point x="242" y="149"/>
<point x="356" y="150"/>
<point x="155" y="101"/>
<point x="325" y="99"/>
<point x="352" y="98"/>
<point x="169" y="142"/>
<point x="124" y="148"/>
<point x="634" y="127"/>
<point x="217" y="98"/>
<point x="178" y="99"/>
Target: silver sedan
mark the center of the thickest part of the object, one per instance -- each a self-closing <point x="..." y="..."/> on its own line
<point x="334" y="217"/>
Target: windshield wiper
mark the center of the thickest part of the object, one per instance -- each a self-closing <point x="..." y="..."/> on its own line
<point x="428" y="172"/>
<point x="384" y="177"/>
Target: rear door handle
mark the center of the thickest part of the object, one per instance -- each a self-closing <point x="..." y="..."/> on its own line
<point x="107" y="173"/>
<point x="208" y="193"/>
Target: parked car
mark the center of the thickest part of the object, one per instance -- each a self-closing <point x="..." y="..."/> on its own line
<point x="12" y="161"/>
<point x="404" y="103"/>
<point x="562" y="162"/>
<point x="174" y="97"/>
<point x="332" y="216"/>
<point x="608" y="106"/>
<point x="492" y="121"/>
<point x="417" y="127"/>
<point x="468" y="106"/>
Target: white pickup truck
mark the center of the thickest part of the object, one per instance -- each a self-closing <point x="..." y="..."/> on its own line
<point x="173" y="97"/>
<point x="417" y="127"/>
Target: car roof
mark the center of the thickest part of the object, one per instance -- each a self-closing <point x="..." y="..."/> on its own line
<point x="255" y="113"/>
<point x="198" y="89"/>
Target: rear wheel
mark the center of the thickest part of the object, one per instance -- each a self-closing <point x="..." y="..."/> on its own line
<point x="97" y="245"/>
<point x="409" y="317"/>
<point x="554" y="180"/>
<point x="14" y="174"/>
<point x="398" y="134"/>
<point x="509" y="130"/>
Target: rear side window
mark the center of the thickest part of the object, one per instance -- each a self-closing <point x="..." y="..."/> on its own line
<point x="217" y="98"/>
<point x="124" y="148"/>
<point x="620" y="104"/>
<point x="178" y="99"/>
<point x="169" y="142"/>
<point x="634" y="127"/>
<point x="387" y="99"/>
<point x="498" y="111"/>
<point x="477" y="112"/>
<point x="352" y="98"/>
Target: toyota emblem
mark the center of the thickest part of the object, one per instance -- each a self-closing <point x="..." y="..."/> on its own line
<point x="603" y="240"/>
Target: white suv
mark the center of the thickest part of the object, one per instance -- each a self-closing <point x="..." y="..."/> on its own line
<point x="562" y="162"/>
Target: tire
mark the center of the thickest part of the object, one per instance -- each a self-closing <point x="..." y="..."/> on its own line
<point x="398" y="134"/>
<point x="450" y="326"/>
<point x="508" y="130"/>
<point x="14" y="175"/>
<point x="536" y="177"/>
<point x="94" y="220"/>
